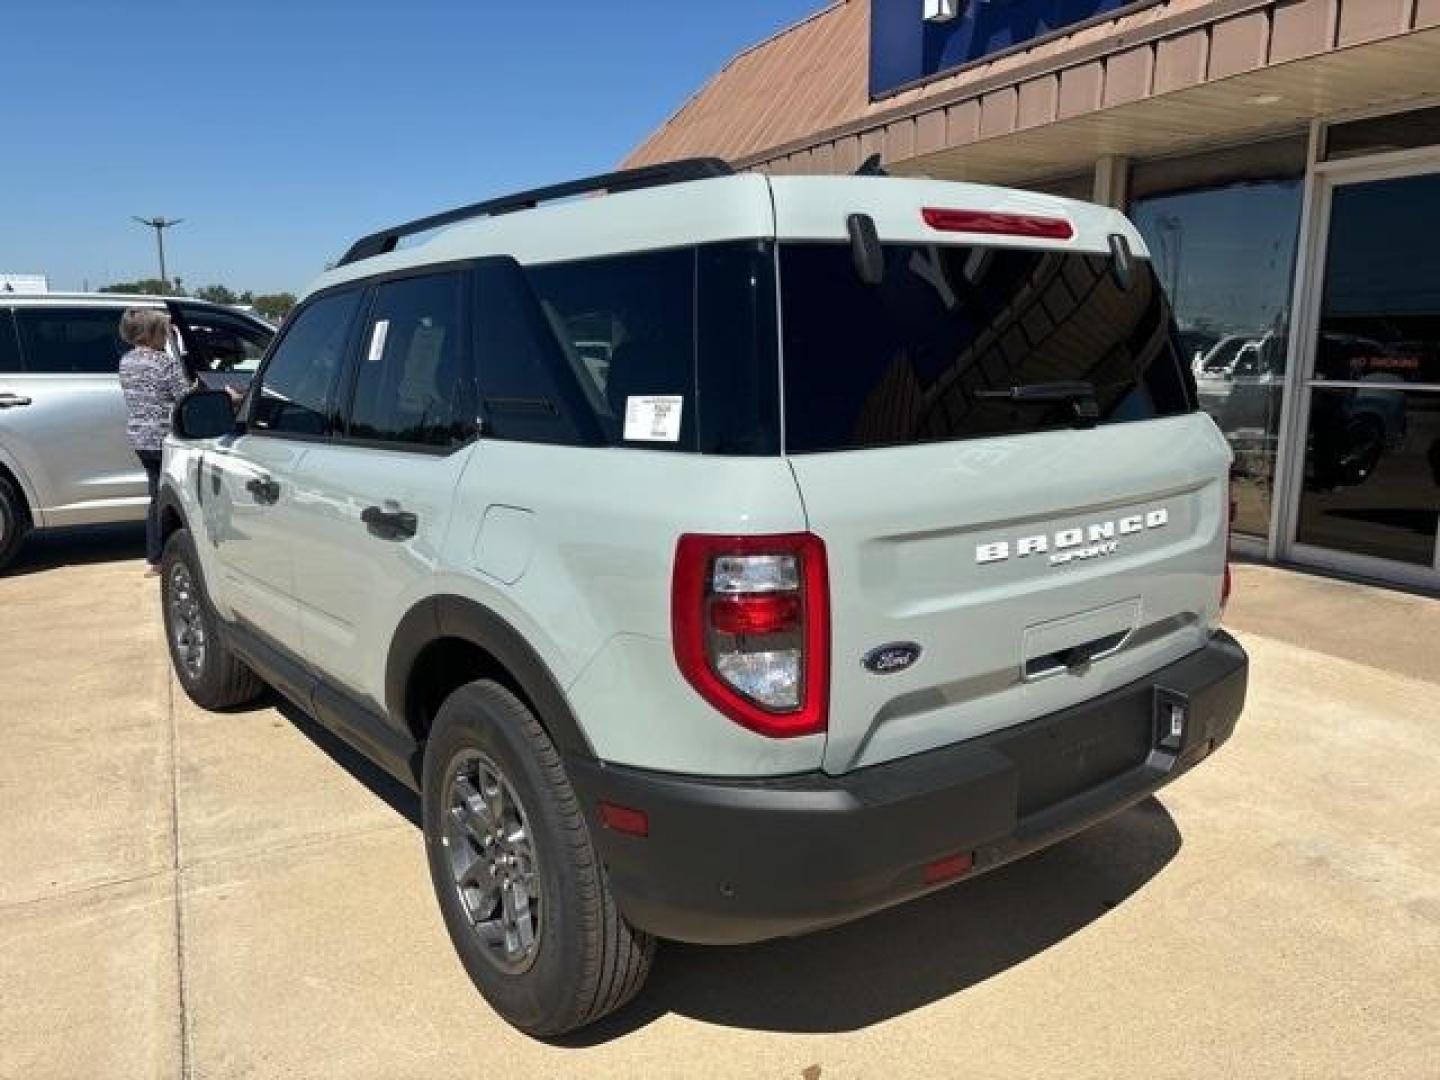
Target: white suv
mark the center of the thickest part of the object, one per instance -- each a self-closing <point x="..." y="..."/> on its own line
<point x="721" y="558"/>
<point x="63" y="455"/>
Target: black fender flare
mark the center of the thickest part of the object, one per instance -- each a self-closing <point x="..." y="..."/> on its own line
<point x="449" y="616"/>
<point x="168" y="502"/>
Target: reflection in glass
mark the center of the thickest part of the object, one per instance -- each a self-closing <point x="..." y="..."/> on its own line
<point x="1226" y="255"/>
<point x="1372" y="473"/>
<point x="1380" y="317"/>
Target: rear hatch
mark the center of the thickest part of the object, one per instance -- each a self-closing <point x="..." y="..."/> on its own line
<point x="995" y="553"/>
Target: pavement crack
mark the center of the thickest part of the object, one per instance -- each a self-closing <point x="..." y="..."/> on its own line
<point x="186" y="1060"/>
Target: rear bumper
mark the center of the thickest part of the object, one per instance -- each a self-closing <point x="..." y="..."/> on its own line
<point x="729" y="861"/>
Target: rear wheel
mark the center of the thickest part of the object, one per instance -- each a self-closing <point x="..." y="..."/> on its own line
<point x="211" y="674"/>
<point x="522" y="892"/>
<point x="14" y="521"/>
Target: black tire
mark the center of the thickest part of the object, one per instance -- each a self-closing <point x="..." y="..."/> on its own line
<point x="213" y="678"/>
<point x="585" y="960"/>
<point x="14" y="521"/>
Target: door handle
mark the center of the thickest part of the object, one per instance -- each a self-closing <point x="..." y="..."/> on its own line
<point x="385" y="524"/>
<point x="264" y="489"/>
<point x="13" y="401"/>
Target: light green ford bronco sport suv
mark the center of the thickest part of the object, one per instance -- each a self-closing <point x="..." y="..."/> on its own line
<point x="720" y="556"/>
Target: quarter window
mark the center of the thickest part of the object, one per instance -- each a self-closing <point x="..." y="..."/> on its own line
<point x="71" y="341"/>
<point x="9" y="343"/>
<point x="667" y="350"/>
<point x="627" y="327"/>
<point x="298" y="385"/>
<point x="410" y="376"/>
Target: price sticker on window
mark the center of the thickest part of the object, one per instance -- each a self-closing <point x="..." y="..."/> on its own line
<point x="653" y="418"/>
<point x="377" y="341"/>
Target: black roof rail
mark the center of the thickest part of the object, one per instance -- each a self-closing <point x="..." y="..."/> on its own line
<point x="670" y="172"/>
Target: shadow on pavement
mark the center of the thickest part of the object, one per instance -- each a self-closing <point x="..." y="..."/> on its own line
<point x="382" y="785"/>
<point x="909" y="956"/>
<point x="50" y="549"/>
<point x="885" y="965"/>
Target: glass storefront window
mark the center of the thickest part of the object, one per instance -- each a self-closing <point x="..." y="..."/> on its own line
<point x="1380" y="313"/>
<point x="1372" y="473"/>
<point x="1372" y="451"/>
<point x="1226" y="254"/>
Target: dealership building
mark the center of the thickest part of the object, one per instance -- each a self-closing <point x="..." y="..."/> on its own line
<point x="1281" y="159"/>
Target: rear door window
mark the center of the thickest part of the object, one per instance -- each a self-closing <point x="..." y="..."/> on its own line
<point x="411" y="377"/>
<point x="911" y="360"/>
<point x="71" y="341"/>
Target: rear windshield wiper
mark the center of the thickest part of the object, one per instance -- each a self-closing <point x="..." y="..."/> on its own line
<point x="1079" y="394"/>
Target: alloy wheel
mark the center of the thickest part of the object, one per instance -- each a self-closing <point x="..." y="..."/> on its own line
<point x="492" y="860"/>
<point x="187" y="623"/>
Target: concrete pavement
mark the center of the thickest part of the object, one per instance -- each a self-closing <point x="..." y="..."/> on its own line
<point x="189" y="894"/>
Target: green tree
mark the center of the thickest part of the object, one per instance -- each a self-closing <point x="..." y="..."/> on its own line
<point x="143" y="287"/>
<point x="217" y="294"/>
<point x="274" y="306"/>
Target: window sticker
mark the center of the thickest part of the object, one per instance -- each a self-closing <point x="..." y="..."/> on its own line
<point x="377" y="341"/>
<point x="653" y="418"/>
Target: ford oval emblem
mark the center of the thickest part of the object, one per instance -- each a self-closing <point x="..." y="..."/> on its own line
<point x="888" y="659"/>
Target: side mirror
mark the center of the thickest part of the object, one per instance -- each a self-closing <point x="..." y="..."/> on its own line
<point x="204" y="414"/>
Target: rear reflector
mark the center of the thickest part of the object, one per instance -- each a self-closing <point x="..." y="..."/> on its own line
<point x="997" y="223"/>
<point x="624" y="819"/>
<point x="948" y="868"/>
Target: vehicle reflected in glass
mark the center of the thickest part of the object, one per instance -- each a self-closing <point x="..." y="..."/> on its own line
<point x="1226" y="255"/>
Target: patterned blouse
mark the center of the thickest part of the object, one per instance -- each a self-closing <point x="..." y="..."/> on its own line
<point x="152" y="382"/>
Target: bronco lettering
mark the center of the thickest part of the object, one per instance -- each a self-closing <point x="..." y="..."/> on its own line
<point x="1070" y="544"/>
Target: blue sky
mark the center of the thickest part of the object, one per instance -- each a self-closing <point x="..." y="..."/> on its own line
<point x="281" y="131"/>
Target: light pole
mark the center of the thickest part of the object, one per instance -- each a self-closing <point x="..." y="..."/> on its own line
<point x="160" y="224"/>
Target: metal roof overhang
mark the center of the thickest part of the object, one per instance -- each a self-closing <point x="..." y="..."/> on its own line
<point x="1231" y="110"/>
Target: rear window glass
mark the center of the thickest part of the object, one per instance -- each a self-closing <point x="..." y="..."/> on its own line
<point x="909" y="360"/>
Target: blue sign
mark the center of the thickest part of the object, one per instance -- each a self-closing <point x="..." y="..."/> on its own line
<point x="905" y="48"/>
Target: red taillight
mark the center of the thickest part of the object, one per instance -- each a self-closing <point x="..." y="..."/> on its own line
<point x="750" y="622"/>
<point x="624" y="819"/>
<point x="762" y="613"/>
<point x="997" y="223"/>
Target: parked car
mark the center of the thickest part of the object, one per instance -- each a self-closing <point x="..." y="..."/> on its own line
<point x="1243" y="392"/>
<point x="890" y="547"/>
<point x="63" y="455"/>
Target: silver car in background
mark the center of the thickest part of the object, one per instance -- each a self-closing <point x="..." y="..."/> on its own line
<point x="63" y="455"/>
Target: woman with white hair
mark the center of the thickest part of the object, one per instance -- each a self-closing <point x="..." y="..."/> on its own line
<point x="153" y="381"/>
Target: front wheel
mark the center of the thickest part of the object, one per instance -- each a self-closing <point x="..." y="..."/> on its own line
<point x="211" y="674"/>
<point x="522" y="892"/>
